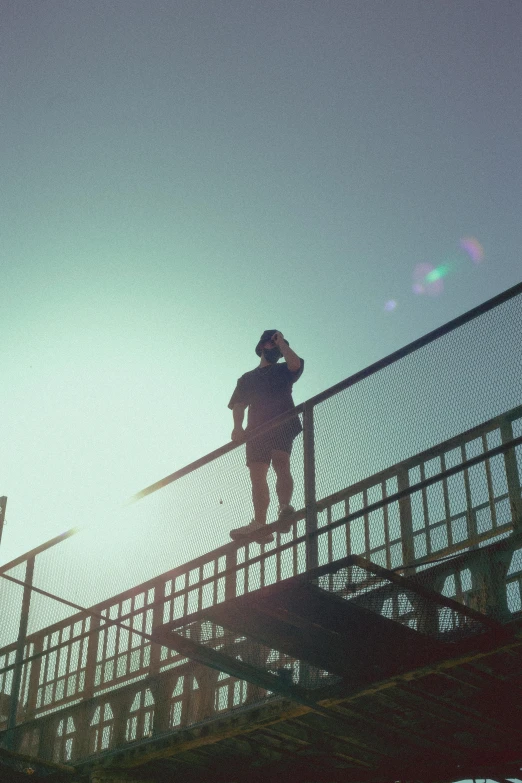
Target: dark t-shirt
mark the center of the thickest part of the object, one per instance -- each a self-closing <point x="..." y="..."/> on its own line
<point x="268" y="392"/>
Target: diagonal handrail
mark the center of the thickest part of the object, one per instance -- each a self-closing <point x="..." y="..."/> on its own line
<point x="361" y="375"/>
<point x="41" y="548"/>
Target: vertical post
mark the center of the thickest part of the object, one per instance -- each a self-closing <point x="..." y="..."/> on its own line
<point x="85" y="715"/>
<point x="157" y="620"/>
<point x="3" y="504"/>
<point x="513" y="482"/>
<point x="405" y="517"/>
<point x="231" y="578"/>
<point x="19" y="657"/>
<point x="312" y="559"/>
<point x="92" y="650"/>
<point x="34" y="679"/>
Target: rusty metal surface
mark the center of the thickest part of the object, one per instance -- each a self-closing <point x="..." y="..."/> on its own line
<point x="402" y="475"/>
<point x="167" y="701"/>
<point x="337" y="626"/>
<point x="455" y="712"/>
<point x="19" y="768"/>
<point x="460" y="718"/>
<point x="82" y="658"/>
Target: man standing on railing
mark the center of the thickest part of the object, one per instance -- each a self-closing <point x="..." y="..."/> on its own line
<point x="267" y="393"/>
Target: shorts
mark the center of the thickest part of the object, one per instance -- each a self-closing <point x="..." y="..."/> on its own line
<point x="279" y="439"/>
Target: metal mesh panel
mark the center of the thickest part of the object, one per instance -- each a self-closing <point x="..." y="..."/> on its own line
<point x="514" y="583"/>
<point x="288" y="669"/>
<point x="426" y="397"/>
<point x="396" y="428"/>
<point x="376" y="534"/>
<point x="61" y="667"/>
<point x="11" y="595"/>
<point x="195" y="513"/>
<point x="54" y="572"/>
<point x="401" y="604"/>
<point x="166" y="529"/>
<point x="474" y="506"/>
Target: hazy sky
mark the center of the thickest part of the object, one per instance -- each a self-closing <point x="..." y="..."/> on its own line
<point x="178" y="176"/>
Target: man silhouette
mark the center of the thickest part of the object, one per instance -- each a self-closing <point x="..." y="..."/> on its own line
<point x="267" y="392"/>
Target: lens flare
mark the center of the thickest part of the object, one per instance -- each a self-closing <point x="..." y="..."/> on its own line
<point x="428" y="279"/>
<point x="473" y="248"/>
<point x="437" y="274"/>
<point x="390" y="305"/>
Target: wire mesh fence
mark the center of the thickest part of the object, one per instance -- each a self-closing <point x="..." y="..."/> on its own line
<point x="471" y="507"/>
<point x="91" y="663"/>
<point x="403" y="604"/>
<point x="443" y="388"/>
<point x="404" y="425"/>
<point x="286" y="667"/>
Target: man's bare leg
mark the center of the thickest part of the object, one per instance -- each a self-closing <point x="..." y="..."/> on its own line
<point x="260" y="491"/>
<point x="284" y="480"/>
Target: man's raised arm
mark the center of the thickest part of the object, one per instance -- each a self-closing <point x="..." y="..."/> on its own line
<point x="293" y="362"/>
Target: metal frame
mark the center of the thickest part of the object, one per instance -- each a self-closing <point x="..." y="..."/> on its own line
<point x="167" y="665"/>
<point x="321" y="534"/>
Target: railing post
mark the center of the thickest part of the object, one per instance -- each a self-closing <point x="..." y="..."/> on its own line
<point x="408" y="550"/>
<point x="513" y="481"/>
<point x="312" y="559"/>
<point x="161" y="687"/>
<point x="95" y="629"/>
<point x="231" y="576"/>
<point x="9" y="740"/>
<point x="85" y="715"/>
<point x="34" y="678"/>
<point x="3" y="504"/>
<point x="157" y="620"/>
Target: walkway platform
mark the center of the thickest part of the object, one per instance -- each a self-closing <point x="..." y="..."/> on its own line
<point x="378" y="696"/>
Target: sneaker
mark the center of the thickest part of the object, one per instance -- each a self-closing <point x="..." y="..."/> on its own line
<point x="285" y="519"/>
<point x="264" y="536"/>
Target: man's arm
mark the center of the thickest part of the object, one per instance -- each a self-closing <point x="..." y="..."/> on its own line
<point x="292" y="360"/>
<point x="238" y="412"/>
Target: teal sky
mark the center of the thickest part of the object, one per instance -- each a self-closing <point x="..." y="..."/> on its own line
<point x="179" y="176"/>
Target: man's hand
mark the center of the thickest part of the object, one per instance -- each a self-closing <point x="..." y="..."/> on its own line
<point x="292" y="359"/>
<point x="278" y="340"/>
<point x="238" y="434"/>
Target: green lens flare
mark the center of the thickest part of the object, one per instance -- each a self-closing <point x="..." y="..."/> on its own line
<point x="437" y="274"/>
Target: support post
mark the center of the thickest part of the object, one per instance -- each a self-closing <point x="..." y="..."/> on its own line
<point x="3" y="504"/>
<point x="312" y="559"/>
<point x="408" y="550"/>
<point x="231" y="576"/>
<point x="85" y="716"/>
<point x="513" y="481"/>
<point x="157" y="619"/>
<point x="34" y="678"/>
<point x="9" y="741"/>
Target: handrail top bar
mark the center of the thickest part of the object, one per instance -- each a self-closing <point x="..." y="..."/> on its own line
<point x="360" y="375"/>
<point x="36" y="551"/>
<point x="400" y="353"/>
<point x="212" y="455"/>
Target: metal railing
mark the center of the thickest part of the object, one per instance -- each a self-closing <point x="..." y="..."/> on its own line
<point x="93" y="681"/>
